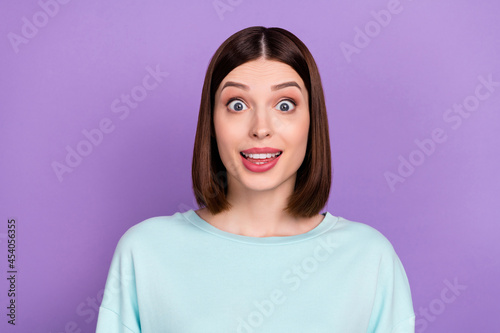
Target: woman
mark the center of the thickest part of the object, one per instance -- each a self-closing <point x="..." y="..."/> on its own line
<point x="258" y="256"/>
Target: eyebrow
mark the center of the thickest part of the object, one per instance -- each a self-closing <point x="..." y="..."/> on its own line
<point x="275" y="87"/>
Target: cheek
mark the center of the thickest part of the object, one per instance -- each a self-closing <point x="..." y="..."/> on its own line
<point x="296" y="134"/>
<point x="228" y="135"/>
<point x="301" y="140"/>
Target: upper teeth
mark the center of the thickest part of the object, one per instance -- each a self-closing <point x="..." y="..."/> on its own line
<point x="261" y="156"/>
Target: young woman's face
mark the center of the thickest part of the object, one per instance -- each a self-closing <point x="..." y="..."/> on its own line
<point x="261" y="104"/>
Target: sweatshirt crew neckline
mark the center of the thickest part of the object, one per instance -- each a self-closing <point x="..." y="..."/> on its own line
<point x="326" y="224"/>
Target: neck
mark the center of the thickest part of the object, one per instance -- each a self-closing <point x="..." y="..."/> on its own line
<point x="260" y="213"/>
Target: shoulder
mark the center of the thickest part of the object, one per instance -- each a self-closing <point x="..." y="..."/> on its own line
<point x="152" y="229"/>
<point x="366" y="245"/>
<point x="362" y="236"/>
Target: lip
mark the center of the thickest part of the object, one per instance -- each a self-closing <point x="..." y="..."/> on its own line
<point x="263" y="150"/>
<point x="259" y="167"/>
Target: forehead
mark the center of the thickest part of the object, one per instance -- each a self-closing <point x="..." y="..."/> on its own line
<point x="263" y="71"/>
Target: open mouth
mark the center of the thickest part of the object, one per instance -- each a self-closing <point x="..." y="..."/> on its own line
<point x="261" y="158"/>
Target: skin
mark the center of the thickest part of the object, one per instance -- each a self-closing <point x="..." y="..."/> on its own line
<point x="256" y="119"/>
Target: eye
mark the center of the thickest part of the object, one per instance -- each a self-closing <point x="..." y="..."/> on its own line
<point x="237" y="105"/>
<point x="286" y="105"/>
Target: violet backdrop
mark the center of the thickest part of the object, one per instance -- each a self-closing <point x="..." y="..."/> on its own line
<point x="413" y="97"/>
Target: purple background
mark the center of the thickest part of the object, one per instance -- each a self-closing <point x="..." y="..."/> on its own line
<point x="442" y="220"/>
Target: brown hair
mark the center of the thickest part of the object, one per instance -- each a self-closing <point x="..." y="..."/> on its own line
<point x="313" y="181"/>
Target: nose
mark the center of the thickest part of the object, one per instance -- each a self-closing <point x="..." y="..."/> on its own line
<point x="261" y="123"/>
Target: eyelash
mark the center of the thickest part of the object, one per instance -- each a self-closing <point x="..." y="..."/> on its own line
<point x="239" y="99"/>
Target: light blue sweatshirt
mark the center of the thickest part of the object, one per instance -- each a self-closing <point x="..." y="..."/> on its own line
<point x="180" y="274"/>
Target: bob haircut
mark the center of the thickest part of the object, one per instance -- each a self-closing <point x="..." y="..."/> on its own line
<point x="209" y="175"/>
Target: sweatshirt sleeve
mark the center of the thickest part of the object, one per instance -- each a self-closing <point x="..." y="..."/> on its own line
<point x="392" y="310"/>
<point x="119" y="311"/>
